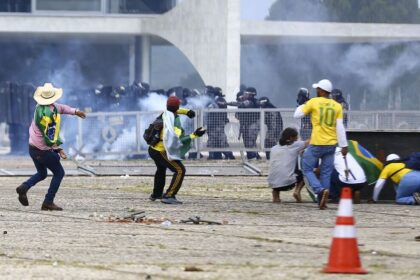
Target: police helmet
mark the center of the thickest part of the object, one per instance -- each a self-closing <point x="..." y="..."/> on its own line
<point x="302" y="96"/>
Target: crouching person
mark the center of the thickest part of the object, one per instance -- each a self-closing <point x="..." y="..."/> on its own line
<point x="282" y="174"/>
<point x="44" y="143"/>
<point x="170" y="149"/>
<point x="406" y="181"/>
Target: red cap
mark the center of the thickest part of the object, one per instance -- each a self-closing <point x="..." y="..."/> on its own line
<point x="173" y="103"/>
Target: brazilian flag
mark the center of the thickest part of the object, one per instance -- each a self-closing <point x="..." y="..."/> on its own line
<point x="48" y="121"/>
<point x="371" y="165"/>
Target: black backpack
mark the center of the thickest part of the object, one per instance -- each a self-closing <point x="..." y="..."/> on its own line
<point x="152" y="134"/>
<point x="413" y="161"/>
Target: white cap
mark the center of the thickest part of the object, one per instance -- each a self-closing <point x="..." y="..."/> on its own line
<point x="324" y="84"/>
<point x="391" y="157"/>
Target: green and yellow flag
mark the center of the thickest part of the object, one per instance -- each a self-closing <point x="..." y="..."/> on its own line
<point x="49" y="123"/>
<point x="371" y="165"/>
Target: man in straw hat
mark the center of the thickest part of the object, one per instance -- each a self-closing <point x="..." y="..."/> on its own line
<point x="44" y="143"/>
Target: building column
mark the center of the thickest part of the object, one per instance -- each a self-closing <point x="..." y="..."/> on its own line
<point x="132" y="61"/>
<point x="146" y="58"/>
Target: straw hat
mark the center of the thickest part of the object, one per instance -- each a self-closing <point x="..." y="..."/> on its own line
<point x="47" y="94"/>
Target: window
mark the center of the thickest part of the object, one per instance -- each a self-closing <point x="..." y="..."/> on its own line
<point x="69" y="5"/>
<point x="15" y="6"/>
<point x="140" y="6"/>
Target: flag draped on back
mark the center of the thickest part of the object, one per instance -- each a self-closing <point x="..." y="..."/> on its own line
<point x="371" y="165"/>
<point x="48" y="123"/>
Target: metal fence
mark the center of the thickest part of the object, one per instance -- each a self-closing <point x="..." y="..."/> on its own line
<point x="120" y="133"/>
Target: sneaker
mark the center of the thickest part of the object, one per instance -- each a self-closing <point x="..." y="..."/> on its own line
<point x="51" y="207"/>
<point x="22" y="190"/>
<point x="153" y="198"/>
<point x="322" y="199"/>
<point x="170" y="200"/>
<point x="416" y="196"/>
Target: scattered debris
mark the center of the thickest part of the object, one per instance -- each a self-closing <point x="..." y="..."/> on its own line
<point x="136" y="217"/>
<point x="197" y="220"/>
<point x="192" y="269"/>
<point x="166" y="223"/>
<point x="417" y="238"/>
<point x="5" y="232"/>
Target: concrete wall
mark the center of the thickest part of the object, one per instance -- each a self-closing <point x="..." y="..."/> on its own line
<point x="208" y="33"/>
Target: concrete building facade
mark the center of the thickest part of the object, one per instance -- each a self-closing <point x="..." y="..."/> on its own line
<point x="212" y="46"/>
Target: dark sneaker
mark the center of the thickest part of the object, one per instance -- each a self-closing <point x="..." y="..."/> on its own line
<point x="153" y="198"/>
<point x="170" y="200"/>
<point x="50" y="207"/>
<point x="416" y="196"/>
<point x="22" y="190"/>
<point x="322" y="199"/>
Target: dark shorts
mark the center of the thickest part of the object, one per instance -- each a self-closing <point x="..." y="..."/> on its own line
<point x="285" y="188"/>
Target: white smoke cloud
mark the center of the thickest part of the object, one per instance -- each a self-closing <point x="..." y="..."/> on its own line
<point x="365" y="61"/>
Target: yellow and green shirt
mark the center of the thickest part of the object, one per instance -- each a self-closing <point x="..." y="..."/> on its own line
<point x="178" y="130"/>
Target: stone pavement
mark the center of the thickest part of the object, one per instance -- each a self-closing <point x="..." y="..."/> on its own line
<point x="258" y="240"/>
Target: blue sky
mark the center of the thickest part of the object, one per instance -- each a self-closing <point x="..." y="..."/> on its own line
<point x="255" y="9"/>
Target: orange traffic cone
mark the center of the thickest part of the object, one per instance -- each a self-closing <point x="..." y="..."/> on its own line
<point x="344" y="254"/>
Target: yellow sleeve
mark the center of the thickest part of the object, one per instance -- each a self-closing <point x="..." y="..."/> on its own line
<point x="182" y="111"/>
<point x="384" y="173"/>
<point x="193" y="136"/>
<point x="307" y="107"/>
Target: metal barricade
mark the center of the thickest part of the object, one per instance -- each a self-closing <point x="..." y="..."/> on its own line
<point x="119" y="134"/>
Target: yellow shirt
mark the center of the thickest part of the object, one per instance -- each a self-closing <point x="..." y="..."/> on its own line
<point x="391" y="169"/>
<point x="324" y="114"/>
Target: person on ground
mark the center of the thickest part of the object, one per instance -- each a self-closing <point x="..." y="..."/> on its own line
<point x="406" y="181"/>
<point x="328" y="130"/>
<point x="169" y="151"/>
<point x="347" y="173"/>
<point x="283" y="175"/>
<point x="44" y="143"/>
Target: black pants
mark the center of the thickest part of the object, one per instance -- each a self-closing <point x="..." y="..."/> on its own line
<point x="162" y="163"/>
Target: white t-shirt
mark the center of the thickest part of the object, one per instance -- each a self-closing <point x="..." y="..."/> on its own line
<point x="356" y="174"/>
<point x="282" y="164"/>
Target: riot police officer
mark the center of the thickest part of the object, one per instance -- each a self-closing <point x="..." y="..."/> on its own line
<point x="337" y="95"/>
<point x="216" y="122"/>
<point x="305" y="124"/>
<point x="274" y="123"/>
<point x="249" y="121"/>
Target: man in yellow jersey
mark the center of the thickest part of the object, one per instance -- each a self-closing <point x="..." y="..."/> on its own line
<point x="327" y="131"/>
<point x="407" y="181"/>
<point x="169" y="151"/>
